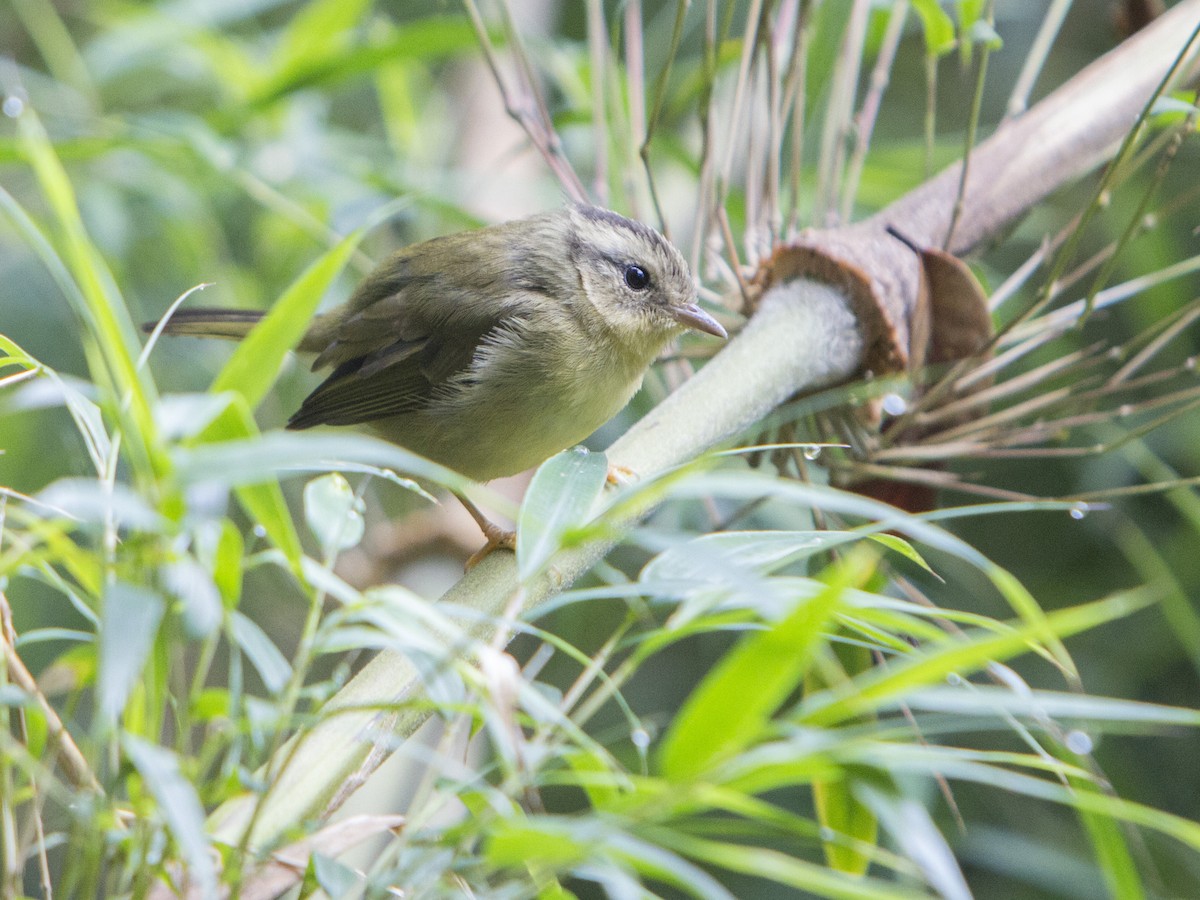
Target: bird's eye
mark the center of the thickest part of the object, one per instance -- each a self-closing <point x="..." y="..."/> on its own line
<point x="636" y="277"/>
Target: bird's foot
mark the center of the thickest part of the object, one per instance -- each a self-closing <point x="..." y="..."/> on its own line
<point x="619" y="476"/>
<point x="497" y="539"/>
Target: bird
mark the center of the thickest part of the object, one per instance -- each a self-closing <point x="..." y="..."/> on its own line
<point x="490" y="350"/>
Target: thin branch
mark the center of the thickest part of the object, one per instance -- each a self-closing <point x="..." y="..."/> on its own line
<point x="706" y="200"/>
<point x="598" y="54"/>
<point x="795" y="96"/>
<point x="71" y="759"/>
<point x="635" y="79"/>
<point x="1137" y="218"/>
<point x="1131" y="136"/>
<point x="839" y="115"/>
<point x="733" y="119"/>
<point x="537" y="127"/>
<point x="1035" y="59"/>
<point x="660" y="94"/>
<point x="985" y="53"/>
<point x="865" y="121"/>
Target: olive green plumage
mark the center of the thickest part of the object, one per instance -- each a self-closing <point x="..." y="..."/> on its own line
<point x="488" y="351"/>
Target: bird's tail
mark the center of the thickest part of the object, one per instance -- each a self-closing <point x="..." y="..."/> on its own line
<point x="233" y="324"/>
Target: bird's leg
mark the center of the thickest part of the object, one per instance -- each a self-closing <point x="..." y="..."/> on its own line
<point x="497" y="538"/>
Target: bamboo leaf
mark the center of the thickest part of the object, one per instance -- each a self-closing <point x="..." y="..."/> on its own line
<point x="732" y="705"/>
<point x="180" y="807"/>
<point x="560" y="499"/>
<point x="255" y="363"/>
<point x="128" y="626"/>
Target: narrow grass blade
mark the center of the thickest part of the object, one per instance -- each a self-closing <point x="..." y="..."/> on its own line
<point x="733" y="704"/>
<point x="888" y="686"/>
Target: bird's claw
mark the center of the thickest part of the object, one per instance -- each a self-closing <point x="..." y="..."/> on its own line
<point x="497" y="539"/>
<point x="619" y="476"/>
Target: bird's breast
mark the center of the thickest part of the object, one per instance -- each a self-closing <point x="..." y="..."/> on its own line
<point x="524" y="398"/>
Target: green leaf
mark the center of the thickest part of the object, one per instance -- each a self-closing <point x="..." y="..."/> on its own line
<point x="881" y="687"/>
<point x="235" y="435"/>
<point x="983" y="700"/>
<point x="263" y="458"/>
<point x="98" y="301"/>
<point x="426" y="40"/>
<point x="544" y="841"/>
<point x="811" y="878"/>
<point x="319" y="30"/>
<point x="765" y="552"/>
<point x="128" y="626"/>
<point x="262" y="653"/>
<point x="904" y="548"/>
<point x="1174" y="109"/>
<point x="334" y="512"/>
<point x="560" y="499"/>
<point x="255" y="364"/>
<point x="838" y="809"/>
<point x="732" y="705"/>
<point x="937" y="25"/>
<point x="1111" y="848"/>
<point x="201" y="601"/>
<point x="594" y="774"/>
<point x="180" y="807"/>
<point x="222" y="550"/>
<point x="912" y="829"/>
<point x="335" y="879"/>
<point x="96" y="503"/>
<point x="970" y="13"/>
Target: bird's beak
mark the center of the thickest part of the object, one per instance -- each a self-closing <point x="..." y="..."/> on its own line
<point x="692" y="316"/>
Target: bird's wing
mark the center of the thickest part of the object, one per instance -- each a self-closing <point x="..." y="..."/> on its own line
<point x="409" y="328"/>
<point x="399" y="378"/>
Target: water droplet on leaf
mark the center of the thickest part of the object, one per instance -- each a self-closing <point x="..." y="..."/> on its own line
<point x="1079" y="742"/>
<point x="894" y="404"/>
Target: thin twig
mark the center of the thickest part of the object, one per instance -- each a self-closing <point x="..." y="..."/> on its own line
<point x="1185" y="317"/>
<point x="839" y="114"/>
<point x="1137" y="218"/>
<point x="660" y="94"/>
<point x="538" y="129"/>
<point x="74" y="764"/>
<point x="1035" y="59"/>
<point x="795" y="96"/>
<point x="733" y="120"/>
<point x="772" y="200"/>
<point x="985" y="53"/>
<point x="872" y="101"/>
<point x="598" y="53"/>
<point x="1067" y="251"/>
<point x="706" y="201"/>
<point x="731" y="248"/>
<point x="635" y="78"/>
